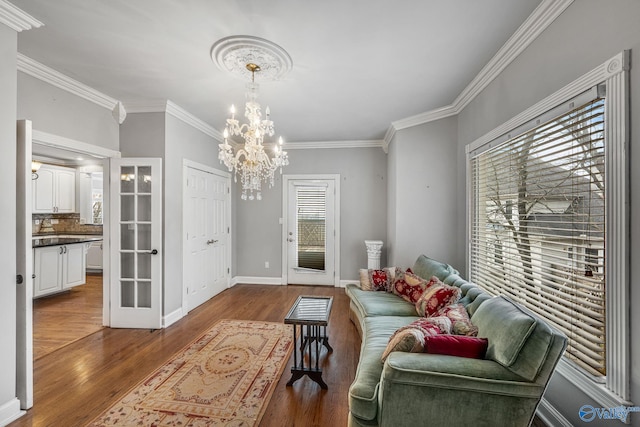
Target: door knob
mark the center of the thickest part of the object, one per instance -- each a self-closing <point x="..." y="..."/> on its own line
<point x="153" y="252"/>
<point x="211" y="242"/>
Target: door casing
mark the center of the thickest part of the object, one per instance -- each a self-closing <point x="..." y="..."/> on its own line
<point x="285" y="220"/>
<point x="208" y="169"/>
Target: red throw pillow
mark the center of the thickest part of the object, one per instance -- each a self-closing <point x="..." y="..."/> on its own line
<point x="457" y="345"/>
<point x="408" y="286"/>
<point x="436" y="296"/>
<point x="379" y="280"/>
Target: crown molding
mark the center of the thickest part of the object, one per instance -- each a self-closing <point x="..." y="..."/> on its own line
<point x="543" y="16"/>
<point x="17" y="19"/>
<point x="176" y="111"/>
<point x="146" y="106"/>
<point x="546" y="12"/>
<point x="429" y="116"/>
<point x="375" y="143"/>
<point x="64" y="82"/>
<point x="188" y="118"/>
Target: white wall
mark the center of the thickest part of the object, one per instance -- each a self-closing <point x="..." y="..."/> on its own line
<point x="61" y="113"/>
<point x="586" y="35"/>
<point x="9" y="406"/>
<point x="363" y="213"/>
<point x="422" y="164"/>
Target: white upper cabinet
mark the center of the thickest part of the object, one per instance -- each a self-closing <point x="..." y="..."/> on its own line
<point x="55" y="190"/>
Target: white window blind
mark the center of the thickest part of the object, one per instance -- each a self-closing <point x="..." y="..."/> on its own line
<point x="311" y="218"/>
<point x="538" y="226"/>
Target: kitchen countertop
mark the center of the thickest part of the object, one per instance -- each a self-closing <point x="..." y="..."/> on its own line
<point x="43" y="241"/>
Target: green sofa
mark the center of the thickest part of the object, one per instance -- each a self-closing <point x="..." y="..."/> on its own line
<point x="420" y="389"/>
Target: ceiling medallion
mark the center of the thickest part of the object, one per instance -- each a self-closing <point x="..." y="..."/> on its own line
<point x="233" y="53"/>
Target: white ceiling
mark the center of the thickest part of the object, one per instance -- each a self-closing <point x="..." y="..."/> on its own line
<point x="358" y="65"/>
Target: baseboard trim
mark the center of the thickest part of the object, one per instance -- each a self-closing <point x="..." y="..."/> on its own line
<point x="172" y="318"/>
<point x="254" y="280"/>
<point x="551" y="416"/>
<point x="344" y="283"/>
<point x="10" y="411"/>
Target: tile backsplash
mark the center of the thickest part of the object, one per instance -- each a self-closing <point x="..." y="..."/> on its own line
<point x="66" y="224"/>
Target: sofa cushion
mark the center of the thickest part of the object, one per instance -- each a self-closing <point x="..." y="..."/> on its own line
<point x="454" y="345"/>
<point x="363" y="393"/>
<point x="506" y="326"/>
<point x="436" y="296"/>
<point x="379" y="303"/>
<point x="426" y="267"/>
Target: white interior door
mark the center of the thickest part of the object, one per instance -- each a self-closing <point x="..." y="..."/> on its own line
<point x="311" y="230"/>
<point x="136" y="243"/>
<point x="24" y="268"/>
<point x="206" y="226"/>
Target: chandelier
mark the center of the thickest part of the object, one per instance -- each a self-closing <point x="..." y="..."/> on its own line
<point x="250" y="160"/>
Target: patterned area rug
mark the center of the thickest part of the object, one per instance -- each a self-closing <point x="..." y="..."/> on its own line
<point x="224" y="378"/>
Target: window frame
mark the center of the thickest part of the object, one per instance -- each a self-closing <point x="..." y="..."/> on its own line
<point x="613" y="75"/>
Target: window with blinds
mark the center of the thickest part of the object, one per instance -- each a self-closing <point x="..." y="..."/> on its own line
<point x="311" y="217"/>
<point x="538" y="226"/>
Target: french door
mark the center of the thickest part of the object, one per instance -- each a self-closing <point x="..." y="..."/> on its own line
<point x="136" y="243"/>
<point x="311" y="229"/>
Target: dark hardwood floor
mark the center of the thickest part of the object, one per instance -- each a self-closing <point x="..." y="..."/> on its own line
<point x="76" y="382"/>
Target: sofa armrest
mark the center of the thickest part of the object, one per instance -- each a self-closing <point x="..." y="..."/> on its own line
<point x="432" y="390"/>
<point x="451" y="372"/>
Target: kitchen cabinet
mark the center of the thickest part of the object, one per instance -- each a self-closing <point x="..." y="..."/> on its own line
<point x="55" y="190"/>
<point x="94" y="256"/>
<point x="59" y="267"/>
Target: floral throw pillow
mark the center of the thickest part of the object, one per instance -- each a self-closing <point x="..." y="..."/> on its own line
<point x="436" y="296"/>
<point x="460" y="321"/>
<point x="411" y="338"/>
<point x="379" y="279"/>
<point x="408" y="286"/>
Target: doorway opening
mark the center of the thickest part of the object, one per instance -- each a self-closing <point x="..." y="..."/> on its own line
<point x="62" y="153"/>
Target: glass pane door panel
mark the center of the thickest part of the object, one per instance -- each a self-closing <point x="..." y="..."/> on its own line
<point x="127" y="236"/>
<point x="144" y="208"/>
<point x="127" y="294"/>
<point x="144" y="179"/>
<point x="311" y="219"/>
<point x="144" y="266"/>
<point x="127" y="207"/>
<point x="127" y="179"/>
<point x="144" y="237"/>
<point x="144" y="294"/>
<point x="127" y="265"/>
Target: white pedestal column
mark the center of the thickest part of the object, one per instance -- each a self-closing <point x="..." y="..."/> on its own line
<point x="374" y="250"/>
